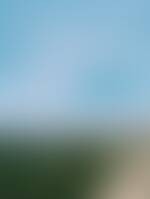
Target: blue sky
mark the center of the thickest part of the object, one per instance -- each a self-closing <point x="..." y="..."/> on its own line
<point x="60" y="57"/>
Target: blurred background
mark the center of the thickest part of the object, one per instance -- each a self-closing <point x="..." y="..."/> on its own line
<point x="74" y="97"/>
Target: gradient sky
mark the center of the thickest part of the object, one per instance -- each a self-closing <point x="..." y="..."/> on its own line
<point x="76" y="57"/>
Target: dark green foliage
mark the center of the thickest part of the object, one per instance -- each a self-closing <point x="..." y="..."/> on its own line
<point x="32" y="172"/>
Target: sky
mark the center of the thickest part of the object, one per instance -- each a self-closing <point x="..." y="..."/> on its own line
<point x="66" y="58"/>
